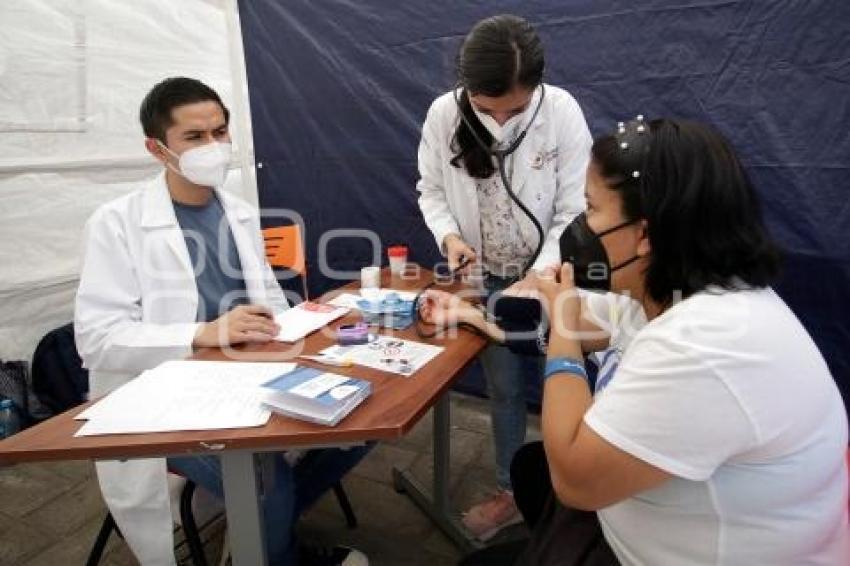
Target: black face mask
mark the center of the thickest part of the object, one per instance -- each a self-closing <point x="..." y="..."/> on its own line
<point x="583" y="248"/>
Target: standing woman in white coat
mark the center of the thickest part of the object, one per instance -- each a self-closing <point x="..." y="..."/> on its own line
<point x="175" y="265"/>
<point x="500" y="102"/>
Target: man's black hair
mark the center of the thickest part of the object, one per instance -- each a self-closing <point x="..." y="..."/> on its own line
<point x="155" y="113"/>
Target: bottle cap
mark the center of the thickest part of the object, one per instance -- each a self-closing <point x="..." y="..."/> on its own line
<point x="397" y="251"/>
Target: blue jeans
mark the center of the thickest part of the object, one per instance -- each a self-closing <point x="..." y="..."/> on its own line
<point x="292" y="489"/>
<point x="505" y="377"/>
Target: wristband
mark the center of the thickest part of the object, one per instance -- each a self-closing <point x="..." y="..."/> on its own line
<point x="565" y="365"/>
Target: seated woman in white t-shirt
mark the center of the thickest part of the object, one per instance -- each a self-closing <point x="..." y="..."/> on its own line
<point x="721" y="437"/>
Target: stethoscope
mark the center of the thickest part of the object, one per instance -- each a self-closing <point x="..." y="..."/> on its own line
<point x="501" y="155"/>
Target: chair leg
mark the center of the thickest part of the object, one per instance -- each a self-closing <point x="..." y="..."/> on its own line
<point x="101" y="540"/>
<point x="345" y="505"/>
<point x="190" y="529"/>
<point x="225" y="550"/>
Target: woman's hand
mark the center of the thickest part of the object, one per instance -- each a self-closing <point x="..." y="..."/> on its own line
<point x="445" y="309"/>
<point x="558" y="294"/>
<point x="458" y="252"/>
<point x="527" y="286"/>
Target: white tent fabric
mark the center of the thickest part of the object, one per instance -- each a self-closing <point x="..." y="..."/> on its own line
<point x="72" y="76"/>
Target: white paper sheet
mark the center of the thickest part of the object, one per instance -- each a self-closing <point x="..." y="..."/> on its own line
<point x="388" y="353"/>
<point x="318" y="385"/>
<point x="185" y="395"/>
<point x="301" y="320"/>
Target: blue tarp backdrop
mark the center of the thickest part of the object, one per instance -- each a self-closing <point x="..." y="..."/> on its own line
<point x="339" y="90"/>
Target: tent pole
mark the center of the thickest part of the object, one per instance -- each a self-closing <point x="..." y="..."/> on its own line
<point x="242" y="109"/>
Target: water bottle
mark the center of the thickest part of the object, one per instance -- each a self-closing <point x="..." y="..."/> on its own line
<point x="10" y="422"/>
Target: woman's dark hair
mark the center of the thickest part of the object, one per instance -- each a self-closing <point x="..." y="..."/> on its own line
<point x="703" y="216"/>
<point x="165" y="96"/>
<point x="499" y="53"/>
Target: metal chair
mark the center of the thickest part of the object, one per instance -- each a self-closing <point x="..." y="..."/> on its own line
<point x="187" y="520"/>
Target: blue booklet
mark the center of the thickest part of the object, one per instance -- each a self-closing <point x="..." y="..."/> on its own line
<point x="314" y="395"/>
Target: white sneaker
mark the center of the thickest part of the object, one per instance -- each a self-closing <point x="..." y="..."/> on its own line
<point x="331" y="556"/>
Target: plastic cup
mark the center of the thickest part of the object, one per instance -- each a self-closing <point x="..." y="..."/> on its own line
<point x="398" y="259"/>
<point x="370" y="277"/>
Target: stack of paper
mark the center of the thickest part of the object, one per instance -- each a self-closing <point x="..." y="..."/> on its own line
<point x="185" y="395"/>
<point x="301" y="320"/>
<point x="313" y="395"/>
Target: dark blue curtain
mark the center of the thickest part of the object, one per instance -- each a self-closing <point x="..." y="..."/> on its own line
<point x="339" y="90"/>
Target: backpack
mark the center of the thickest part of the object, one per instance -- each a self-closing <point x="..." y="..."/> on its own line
<point x="13" y="385"/>
<point x="58" y="378"/>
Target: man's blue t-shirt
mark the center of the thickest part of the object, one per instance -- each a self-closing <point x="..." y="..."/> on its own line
<point x="218" y="270"/>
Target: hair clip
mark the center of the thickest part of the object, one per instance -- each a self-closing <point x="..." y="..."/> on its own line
<point x="635" y="174"/>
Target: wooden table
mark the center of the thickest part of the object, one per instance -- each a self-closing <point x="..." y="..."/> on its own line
<point x="394" y="407"/>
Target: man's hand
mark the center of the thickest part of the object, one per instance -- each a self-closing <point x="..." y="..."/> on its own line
<point x="458" y="251"/>
<point x="245" y="323"/>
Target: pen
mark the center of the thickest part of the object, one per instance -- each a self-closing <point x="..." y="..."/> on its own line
<point x="329" y="361"/>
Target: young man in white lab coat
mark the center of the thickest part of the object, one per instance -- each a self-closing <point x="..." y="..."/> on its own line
<point x="466" y="205"/>
<point x="175" y="265"/>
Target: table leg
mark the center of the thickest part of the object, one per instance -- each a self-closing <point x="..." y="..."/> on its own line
<point x="241" y="476"/>
<point x="437" y="507"/>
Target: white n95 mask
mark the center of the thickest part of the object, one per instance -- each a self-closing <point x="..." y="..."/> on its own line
<point x="499" y="133"/>
<point x="205" y="165"/>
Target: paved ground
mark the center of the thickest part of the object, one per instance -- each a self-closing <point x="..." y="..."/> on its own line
<point x="51" y="513"/>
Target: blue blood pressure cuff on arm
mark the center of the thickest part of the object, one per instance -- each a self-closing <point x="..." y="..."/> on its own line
<point x="523" y="321"/>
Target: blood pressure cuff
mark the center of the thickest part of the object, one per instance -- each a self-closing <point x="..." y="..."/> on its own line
<point x="524" y="322"/>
